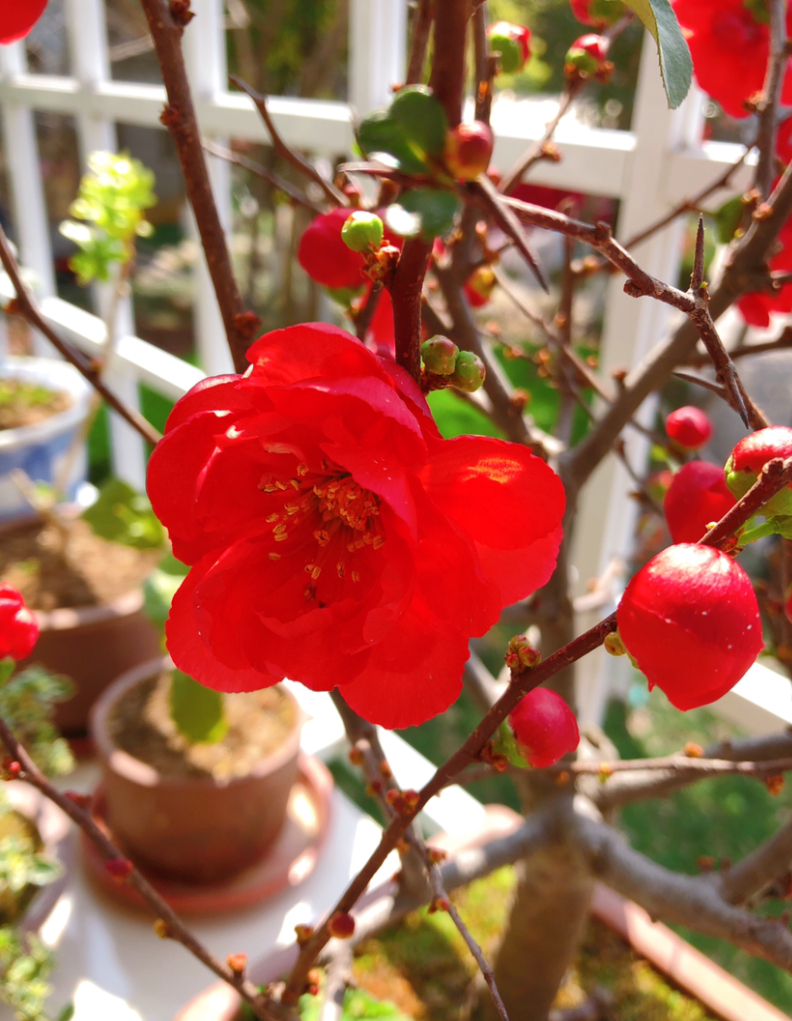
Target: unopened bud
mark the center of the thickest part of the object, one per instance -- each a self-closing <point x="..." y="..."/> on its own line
<point x="439" y="355"/>
<point x="119" y="868"/>
<point x="438" y="904"/>
<point x="469" y="372"/>
<point x="362" y="231"/>
<point x="521" y="655"/>
<point x="237" y="962"/>
<point x="614" y="645"/>
<point x="693" y="751"/>
<point x="341" y="925"/>
<point x="303" y="933"/>
<point x="161" y="929"/>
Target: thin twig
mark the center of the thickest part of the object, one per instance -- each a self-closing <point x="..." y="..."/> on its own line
<point x="172" y="927"/>
<point x="25" y="306"/>
<point x="422" y="23"/>
<point x="505" y="218"/>
<point x="707" y="384"/>
<point x="261" y="171"/>
<point x="338" y="198"/>
<point x="768" y="110"/>
<point x="179" y="117"/>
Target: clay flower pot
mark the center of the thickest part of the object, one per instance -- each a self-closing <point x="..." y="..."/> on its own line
<point x="92" y="645"/>
<point x="196" y="829"/>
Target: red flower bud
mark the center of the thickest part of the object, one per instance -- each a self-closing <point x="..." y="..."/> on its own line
<point x="751" y="455"/>
<point x="480" y="285"/>
<point x="120" y="869"/>
<point x="18" y="628"/>
<point x="237" y="962"/>
<point x="17" y="17"/>
<point x="512" y="42"/>
<point x="690" y="620"/>
<point x="439" y="355"/>
<point x="468" y="150"/>
<point x="545" y="727"/>
<point x="341" y="925"/>
<point x="688" y="427"/>
<point x="598" y="13"/>
<point x="698" y="494"/>
<point x="587" y="53"/>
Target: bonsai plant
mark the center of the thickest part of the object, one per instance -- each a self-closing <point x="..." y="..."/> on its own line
<point x="335" y="535"/>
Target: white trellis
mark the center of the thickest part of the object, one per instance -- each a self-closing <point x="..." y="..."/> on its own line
<point x="661" y="161"/>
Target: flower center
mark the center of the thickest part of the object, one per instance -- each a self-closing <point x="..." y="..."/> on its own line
<point x="343" y="499"/>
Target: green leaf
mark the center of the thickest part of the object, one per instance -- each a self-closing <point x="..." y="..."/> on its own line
<point x="197" y="711"/>
<point x="380" y="135"/>
<point x="423" y="118"/>
<point x="123" y="515"/>
<point x="428" y="212"/>
<point x="676" y="65"/>
<point x="727" y="218"/>
<point x="67" y="1013"/>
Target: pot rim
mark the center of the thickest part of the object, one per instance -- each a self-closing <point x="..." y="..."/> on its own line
<point x="61" y="376"/>
<point x="139" y="772"/>
<point x="62" y="618"/>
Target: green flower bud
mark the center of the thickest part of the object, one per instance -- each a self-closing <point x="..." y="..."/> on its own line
<point x="362" y="231"/>
<point x="439" y="355"/>
<point x="469" y="372"/>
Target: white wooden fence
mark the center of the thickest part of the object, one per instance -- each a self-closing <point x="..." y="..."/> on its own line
<point x="661" y="161"/>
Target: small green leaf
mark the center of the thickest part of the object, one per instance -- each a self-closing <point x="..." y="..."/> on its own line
<point x="727" y="219"/>
<point x="676" y="64"/>
<point x="121" y="514"/>
<point x="67" y="1013"/>
<point x="381" y="135"/>
<point x="197" y="711"/>
<point x="428" y="212"/>
<point x="423" y="118"/>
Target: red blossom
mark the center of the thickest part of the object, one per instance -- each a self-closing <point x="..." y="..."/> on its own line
<point x="757" y="306"/>
<point x="324" y="256"/>
<point x="18" y="628"/>
<point x="334" y="536"/>
<point x="690" y="620"/>
<point x="697" y="495"/>
<point x="17" y="17"/>
<point x="545" y="727"/>
<point x="726" y="35"/>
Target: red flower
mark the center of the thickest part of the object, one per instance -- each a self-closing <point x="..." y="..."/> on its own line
<point x="757" y="306"/>
<point x="18" y="628"/>
<point x="17" y="17"/>
<point x="751" y="455"/>
<point x="697" y="495"/>
<point x="545" y="727"/>
<point x="335" y="537"/>
<point x="690" y="620"/>
<point x="725" y="35"/>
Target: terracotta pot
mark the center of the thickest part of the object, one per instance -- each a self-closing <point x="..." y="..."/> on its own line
<point x="93" y="645"/>
<point x="196" y="829"/>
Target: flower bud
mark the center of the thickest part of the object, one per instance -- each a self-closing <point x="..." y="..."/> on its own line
<point x="545" y="727"/>
<point x="468" y="150"/>
<point x="18" y="628"/>
<point x="512" y="43"/>
<point x="587" y="54"/>
<point x="697" y="496"/>
<point x="469" y="373"/>
<point x="119" y="868"/>
<point x="480" y="285"/>
<point x="613" y="644"/>
<point x="439" y="355"/>
<point x="688" y="427"/>
<point x="237" y="962"/>
<point x="751" y="455"/>
<point x="521" y="654"/>
<point x="341" y="925"/>
<point x="690" y="620"/>
<point x="17" y="17"/>
<point x="363" y="231"/>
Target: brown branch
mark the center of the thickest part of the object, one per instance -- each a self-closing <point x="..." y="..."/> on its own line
<point x="179" y="117"/>
<point x="261" y="171"/>
<point x="768" y="110"/>
<point x="758" y="869"/>
<point x="172" y="927"/>
<point x="448" y="71"/>
<point x="684" y="900"/>
<point x="707" y="384"/>
<point x="539" y="149"/>
<point x="285" y="151"/>
<point x="725" y="371"/>
<point x="406" y="291"/>
<point x="775" y="475"/>
<point x="485" y="191"/>
<point x="422" y="23"/>
<point x="24" y="305"/>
